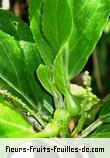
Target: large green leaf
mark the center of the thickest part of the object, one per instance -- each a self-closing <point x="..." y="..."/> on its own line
<point x="35" y="24"/>
<point x="53" y="25"/>
<point x="105" y="118"/>
<point x="12" y="124"/>
<point x="50" y="28"/>
<point x="89" y="19"/>
<point x="18" y="67"/>
<point x="33" y="6"/>
<point x="13" y="25"/>
<point x="105" y="106"/>
<point x="33" y="60"/>
<point x="29" y="54"/>
<point x="104" y="112"/>
<point x="61" y="71"/>
<point x="103" y="131"/>
<point x="56" y="23"/>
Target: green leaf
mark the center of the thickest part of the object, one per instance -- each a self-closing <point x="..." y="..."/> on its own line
<point x="56" y="31"/>
<point x="105" y="106"/>
<point x="35" y="25"/>
<point x="13" y="25"/>
<point x="105" y="118"/>
<point x="61" y="71"/>
<point x="104" y="113"/>
<point x="33" y="6"/>
<point x="17" y="69"/>
<point x="12" y="124"/>
<point x="103" y="131"/>
<point x="46" y="77"/>
<point x="50" y="28"/>
<point x="88" y="22"/>
<point x="89" y="19"/>
<point x="32" y="61"/>
<point x="56" y="23"/>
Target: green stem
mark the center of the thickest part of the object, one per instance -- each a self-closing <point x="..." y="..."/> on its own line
<point x="58" y="100"/>
<point x="80" y="124"/>
<point x="57" y="127"/>
<point x="51" y="130"/>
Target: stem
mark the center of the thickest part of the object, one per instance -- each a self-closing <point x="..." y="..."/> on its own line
<point x="80" y="124"/>
<point x="51" y="130"/>
<point x="90" y="128"/>
<point x="58" y="100"/>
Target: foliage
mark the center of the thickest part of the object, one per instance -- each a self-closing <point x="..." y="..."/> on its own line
<point x="38" y="63"/>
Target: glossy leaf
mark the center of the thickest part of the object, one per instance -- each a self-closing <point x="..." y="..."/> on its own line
<point x="61" y="71"/>
<point x="104" y="112"/>
<point x="45" y="76"/>
<point x="49" y="28"/>
<point x="32" y="61"/>
<point x="18" y="70"/>
<point x="56" y="23"/>
<point x="89" y="19"/>
<point x="86" y="30"/>
<point x="102" y="131"/>
<point x="13" y="25"/>
<point x="105" y="106"/>
<point x="105" y="118"/>
<point x="12" y="124"/>
<point x="42" y="45"/>
<point x="33" y="6"/>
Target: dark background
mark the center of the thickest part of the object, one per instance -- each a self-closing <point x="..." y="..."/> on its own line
<point x="99" y="62"/>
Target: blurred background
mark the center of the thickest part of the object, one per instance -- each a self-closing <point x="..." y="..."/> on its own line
<point x="99" y="62"/>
